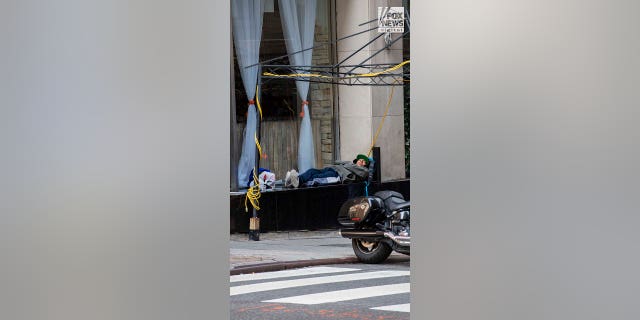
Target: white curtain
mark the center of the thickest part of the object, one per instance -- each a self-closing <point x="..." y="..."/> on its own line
<point x="247" y="30"/>
<point x="298" y="24"/>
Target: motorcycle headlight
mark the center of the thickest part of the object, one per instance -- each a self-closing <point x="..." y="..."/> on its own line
<point x="358" y="211"/>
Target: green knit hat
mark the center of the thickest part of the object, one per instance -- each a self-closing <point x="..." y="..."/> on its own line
<point x="363" y="157"/>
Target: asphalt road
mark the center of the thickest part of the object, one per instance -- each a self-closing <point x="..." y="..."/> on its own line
<point x="345" y="291"/>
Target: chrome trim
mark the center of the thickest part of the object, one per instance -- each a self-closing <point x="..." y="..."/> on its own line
<point x="403" y="241"/>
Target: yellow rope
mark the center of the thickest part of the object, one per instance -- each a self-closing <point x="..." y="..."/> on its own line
<point x="373" y="74"/>
<point x="258" y="103"/>
<point x="375" y="137"/>
<point x="253" y="194"/>
<point x="316" y="75"/>
<point x="293" y="75"/>
<point x="255" y="137"/>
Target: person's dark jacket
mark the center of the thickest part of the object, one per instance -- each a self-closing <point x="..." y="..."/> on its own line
<point x="350" y="172"/>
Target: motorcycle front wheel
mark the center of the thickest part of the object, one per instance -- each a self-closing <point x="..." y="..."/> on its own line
<point x="370" y="251"/>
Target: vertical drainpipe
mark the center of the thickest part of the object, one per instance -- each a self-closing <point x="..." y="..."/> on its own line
<point x="334" y="87"/>
<point x="254" y="221"/>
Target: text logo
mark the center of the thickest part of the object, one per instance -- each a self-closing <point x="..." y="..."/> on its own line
<point x="391" y="19"/>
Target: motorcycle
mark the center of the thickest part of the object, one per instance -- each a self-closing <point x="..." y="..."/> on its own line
<point x="376" y="225"/>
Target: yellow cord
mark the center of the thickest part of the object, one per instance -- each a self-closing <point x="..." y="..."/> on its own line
<point x="255" y="137"/>
<point x="293" y="75"/>
<point x="375" y="137"/>
<point x="315" y="75"/>
<point x="258" y="103"/>
<point x="373" y="74"/>
<point x="253" y="194"/>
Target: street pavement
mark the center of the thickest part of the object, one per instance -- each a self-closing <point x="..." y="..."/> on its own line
<point x="343" y="291"/>
<point x="285" y="250"/>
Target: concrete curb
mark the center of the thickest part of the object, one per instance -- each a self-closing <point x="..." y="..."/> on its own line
<point x="288" y="235"/>
<point x="284" y="265"/>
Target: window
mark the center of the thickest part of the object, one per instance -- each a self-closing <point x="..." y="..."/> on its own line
<point x="279" y="97"/>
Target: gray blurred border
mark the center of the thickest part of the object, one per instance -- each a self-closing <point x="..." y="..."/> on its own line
<point x="525" y="154"/>
<point x="113" y="176"/>
<point x="114" y="205"/>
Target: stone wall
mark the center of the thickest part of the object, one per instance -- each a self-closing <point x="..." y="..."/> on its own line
<point x="321" y="100"/>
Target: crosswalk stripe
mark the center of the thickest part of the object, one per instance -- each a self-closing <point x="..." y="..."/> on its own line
<point x="344" y="295"/>
<point x="397" y="307"/>
<point x="289" y="273"/>
<point x="283" y="284"/>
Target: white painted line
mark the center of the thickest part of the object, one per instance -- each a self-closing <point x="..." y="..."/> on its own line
<point x="289" y="273"/>
<point x="397" y="307"/>
<point x="344" y="295"/>
<point x="275" y="285"/>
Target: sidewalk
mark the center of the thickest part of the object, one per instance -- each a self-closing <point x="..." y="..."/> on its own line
<point x="282" y="250"/>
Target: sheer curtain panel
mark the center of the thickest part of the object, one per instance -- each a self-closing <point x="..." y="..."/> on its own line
<point x="298" y="25"/>
<point x="246" y="18"/>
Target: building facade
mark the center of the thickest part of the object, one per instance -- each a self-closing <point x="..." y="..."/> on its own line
<point x="344" y="118"/>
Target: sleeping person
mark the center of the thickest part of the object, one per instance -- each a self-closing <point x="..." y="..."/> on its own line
<point x="345" y="171"/>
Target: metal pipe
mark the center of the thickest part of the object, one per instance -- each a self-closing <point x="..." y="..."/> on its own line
<point x="372" y="20"/>
<point x="368" y="234"/>
<point x="403" y="241"/>
<point x="355" y="52"/>
<point x="254" y="224"/>
<point x="364" y="234"/>
<point x="303" y="50"/>
<point x="381" y="50"/>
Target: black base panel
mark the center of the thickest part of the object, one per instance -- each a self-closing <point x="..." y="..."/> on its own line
<point x="313" y="208"/>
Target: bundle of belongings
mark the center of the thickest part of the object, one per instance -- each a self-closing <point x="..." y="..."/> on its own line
<point x="341" y="171"/>
<point x="266" y="179"/>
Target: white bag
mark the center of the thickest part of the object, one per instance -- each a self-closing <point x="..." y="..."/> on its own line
<point x="266" y="180"/>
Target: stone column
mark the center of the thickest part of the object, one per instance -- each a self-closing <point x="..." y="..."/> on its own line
<point x="321" y="97"/>
<point x="361" y="108"/>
